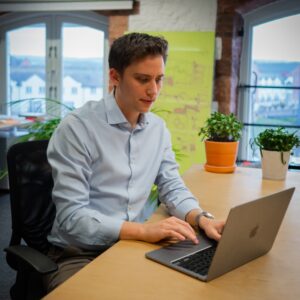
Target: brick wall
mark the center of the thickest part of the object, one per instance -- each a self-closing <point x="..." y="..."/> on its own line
<point x="118" y="24"/>
<point x="116" y="27"/>
<point x="229" y="27"/>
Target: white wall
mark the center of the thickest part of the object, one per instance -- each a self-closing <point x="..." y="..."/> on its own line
<point x="175" y="15"/>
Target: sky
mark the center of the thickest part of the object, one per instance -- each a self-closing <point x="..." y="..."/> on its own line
<point x="277" y="40"/>
<point x="80" y="42"/>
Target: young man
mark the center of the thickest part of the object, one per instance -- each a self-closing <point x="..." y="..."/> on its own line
<point x="105" y="158"/>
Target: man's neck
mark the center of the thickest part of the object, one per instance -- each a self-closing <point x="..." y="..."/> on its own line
<point x="132" y="117"/>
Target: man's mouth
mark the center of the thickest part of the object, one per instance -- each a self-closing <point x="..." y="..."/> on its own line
<point x="147" y="101"/>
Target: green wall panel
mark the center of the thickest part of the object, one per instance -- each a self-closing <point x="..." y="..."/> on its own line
<point x="187" y="91"/>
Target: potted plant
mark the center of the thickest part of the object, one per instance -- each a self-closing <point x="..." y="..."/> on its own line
<point x="221" y="134"/>
<point x="275" y="148"/>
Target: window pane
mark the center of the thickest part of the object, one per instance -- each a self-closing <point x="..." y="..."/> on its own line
<point x="82" y="64"/>
<point x="26" y="70"/>
<point x="275" y="71"/>
<point x="276" y="63"/>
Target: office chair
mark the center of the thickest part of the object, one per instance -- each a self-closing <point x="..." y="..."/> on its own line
<point x="32" y="212"/>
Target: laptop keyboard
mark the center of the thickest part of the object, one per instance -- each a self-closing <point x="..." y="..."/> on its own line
<point x="197" y="262"/>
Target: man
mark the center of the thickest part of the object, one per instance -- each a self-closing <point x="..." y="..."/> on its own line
<point x="105" y="158"/>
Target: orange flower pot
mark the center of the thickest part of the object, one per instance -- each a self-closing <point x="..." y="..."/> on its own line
<point x="221" y="156"/>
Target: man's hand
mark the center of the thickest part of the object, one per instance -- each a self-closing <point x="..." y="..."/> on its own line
<point x="212" y="228"/>
<point x="171" y="227"/>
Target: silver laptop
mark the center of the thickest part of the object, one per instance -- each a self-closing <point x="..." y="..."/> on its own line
<point x="250" y="231"/>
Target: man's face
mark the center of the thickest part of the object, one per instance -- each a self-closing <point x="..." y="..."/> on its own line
<point x="138" y="87"/>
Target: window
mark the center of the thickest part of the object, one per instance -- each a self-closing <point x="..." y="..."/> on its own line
<point x="82" y="64"/>
<point x="269" y="94"/>
<point x="28" y="90"/>
<point x="42" y="90"/>
<point x="74" y="91"/>
<point x="43" y="51"/>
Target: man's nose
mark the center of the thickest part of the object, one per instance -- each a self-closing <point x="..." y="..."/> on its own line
<point x="152" y="89"/>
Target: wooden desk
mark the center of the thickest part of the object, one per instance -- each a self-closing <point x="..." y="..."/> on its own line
<point x="123" y="272"/>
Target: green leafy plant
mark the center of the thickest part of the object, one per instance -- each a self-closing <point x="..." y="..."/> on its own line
<point x="54" y="107"/>
<point x="277" y="140"/>
<point x="221" y="128"/>
<point x="41" y="130"/>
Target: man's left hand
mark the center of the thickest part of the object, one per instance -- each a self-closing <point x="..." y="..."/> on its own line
<point x="212" y="228"/>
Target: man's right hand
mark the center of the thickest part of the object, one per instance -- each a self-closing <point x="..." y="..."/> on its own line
<point x="171" y="227"/>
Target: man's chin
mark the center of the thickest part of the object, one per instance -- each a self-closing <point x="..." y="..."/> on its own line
<point x="147" y="107"/>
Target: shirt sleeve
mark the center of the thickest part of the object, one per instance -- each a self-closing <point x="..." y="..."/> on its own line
<point x="171" y="188"/>
<point x="69" y="156"/>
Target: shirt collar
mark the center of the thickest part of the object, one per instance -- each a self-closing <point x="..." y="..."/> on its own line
<point x="115" y="115"/>
<point x="143" y="120"/>
<point x="113" y="112"/>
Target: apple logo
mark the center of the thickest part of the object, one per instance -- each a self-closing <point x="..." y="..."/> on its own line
<point x="253" y="231"/>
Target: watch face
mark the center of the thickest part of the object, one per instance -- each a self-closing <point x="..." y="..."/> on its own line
<point x="208" y="215"/>
<point x="205" y="214"/>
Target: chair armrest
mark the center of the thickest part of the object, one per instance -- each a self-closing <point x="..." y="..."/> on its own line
<point x="35" y="259"/>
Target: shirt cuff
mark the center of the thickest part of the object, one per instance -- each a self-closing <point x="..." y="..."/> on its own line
<point x="109" y="229"/>
<point x="185" y="206"/>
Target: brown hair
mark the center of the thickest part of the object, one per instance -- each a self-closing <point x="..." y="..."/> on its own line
<point x="133" y="47"/>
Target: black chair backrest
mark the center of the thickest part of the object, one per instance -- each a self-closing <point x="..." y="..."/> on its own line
<point x="30" y="183"/>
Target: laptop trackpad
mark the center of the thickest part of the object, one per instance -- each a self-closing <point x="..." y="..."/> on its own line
<point x="182" y="248"/>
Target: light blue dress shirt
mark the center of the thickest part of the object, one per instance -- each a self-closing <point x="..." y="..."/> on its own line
<point x="103" y="171"/>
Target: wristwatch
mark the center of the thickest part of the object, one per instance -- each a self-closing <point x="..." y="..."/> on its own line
<point x="205" y="214"/>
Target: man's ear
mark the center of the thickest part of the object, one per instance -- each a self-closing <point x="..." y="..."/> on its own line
<point x="114" y="77"/>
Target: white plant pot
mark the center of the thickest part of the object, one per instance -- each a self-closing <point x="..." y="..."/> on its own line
<point x="272" y="166"/>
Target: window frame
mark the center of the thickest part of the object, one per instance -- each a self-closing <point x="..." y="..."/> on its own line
<point x="53" y="22"/>
<point x="259" y="16"/>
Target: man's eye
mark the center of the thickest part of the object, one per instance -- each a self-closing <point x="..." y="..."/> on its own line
<point x="158" y="80"/>
<point x="142" y="80"/>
